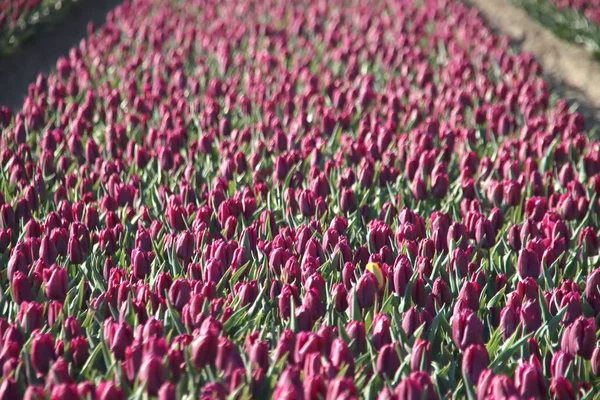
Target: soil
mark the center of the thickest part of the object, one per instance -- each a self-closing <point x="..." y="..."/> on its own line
<point x="570" y="70"/>
<point x="40" y="52"/>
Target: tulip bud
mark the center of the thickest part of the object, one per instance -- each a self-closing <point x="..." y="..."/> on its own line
<point x="348" y="202"/>
<point x="572" y="301"/>
<point x="348" y="275"/>
<point x="439" y="186"/>
<point x="57" y="284"/>
<point x="470" y="295"/>
<point x="248" y="292"/>
<point x="467" y="329"/>
<point x="366" y="290"/>
<point x="314" y="387"/>
<point x="419" y="189"/>
<point x="17" y="262"/>
<point x="304" y="319"/>
<point x="475" y="361"/>
<point x="528" y="264"/>
<point x="341" y="356"/>
<point x="42" y="352"/>
<point x="167" y="391"/>
<point x="204" y="350"/>
<point x="484" y="384"/>
<point x="79" y="350"/>
<point x="288" y="294"/>
<point x="9" y="389"/>
<point x="21" y="289"/>
<point x="588" y="238"/>
<point x="180" y="293"/>
<point x="485" y="234"/>
<point x="32" y="393"/>
<point x="562" y="389"/>
<point x="388" y="361"/>
<point x="121" y="336"/>
<point x="289" y="385"/>
<point x="259" y="354"/>
<point x="339" y="297"/>
<point x="457" y="236"/>
<point x="152" y="374"/>
<point x="595" y="361"/>
<point x="531" y="316"/>
<point x="579" y="338"/>
<point x="5" y="239"/>
<point x="512" y="193"/>
<point x="31" y="316"/>
<point x="307" y="203"/>
<point x="75" y="251"/>
<point x="402" y="274"/>
<point x="530" y="381"/>
<point x="107" y="390"/>
<point x="421" y="355"/>
<point x="341" y="388"/>
<point x="358" y="336"/>
<point x="66" y="391"/>
<point x="184" y="248"/>
<point x="140" y="264"/>
<point x="502" y="387"/>
<point x="509" y="320"/>
<point x="381" y="331"/>
<point x="55" y="310"/>
<point x="228" y="358"/>
<point x="561" y="362"/>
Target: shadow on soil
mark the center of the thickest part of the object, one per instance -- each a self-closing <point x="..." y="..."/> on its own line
<point x="40" y="52"/>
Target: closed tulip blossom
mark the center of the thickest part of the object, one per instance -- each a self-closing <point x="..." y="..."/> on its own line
<point x="42" y="352"/>
<point x="528" y="264"/>
<point x="467" y="329"/>
<point x="366" y="290"/>
<point x="421" y="355"/>
<point x="579" y="338"/>
<point x="475" y="360"/>
<point x="388" y="361"/>
<point x="530" y="381"/>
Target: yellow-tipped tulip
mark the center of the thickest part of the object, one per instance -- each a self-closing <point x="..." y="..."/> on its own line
<point x="375" y="270"/>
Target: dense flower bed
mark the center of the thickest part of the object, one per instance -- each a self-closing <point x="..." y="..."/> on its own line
<point x="330" y="199"/>
<point x="20" y="19"/>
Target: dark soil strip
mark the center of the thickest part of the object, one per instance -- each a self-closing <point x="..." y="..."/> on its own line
<point x="39" y="53"/>
<point x="570" y="70"/>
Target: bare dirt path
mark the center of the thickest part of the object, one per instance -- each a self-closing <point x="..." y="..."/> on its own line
<point x="570" y="69"/>
<point x="40" y="53"/>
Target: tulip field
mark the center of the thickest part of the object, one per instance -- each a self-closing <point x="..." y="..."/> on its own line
<point x="341" y="199"/>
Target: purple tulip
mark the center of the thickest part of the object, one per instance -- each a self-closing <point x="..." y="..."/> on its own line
<point x="475" y="361"/>
<point x="560" y="363"/>
<point x="530" y="381"/>
<point x="42" y="352"/>
<point x="152" y="374"/>
<point x="421" y="355"/>
<point x="57" y="284"/>
<point x="562" y="389"/>
<point x="388" y="361"/>
<point x="579" y="338"/>
<point x="467" y="329"/>
<point x="366" y="290"/>
<point x="358" y="336"/>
